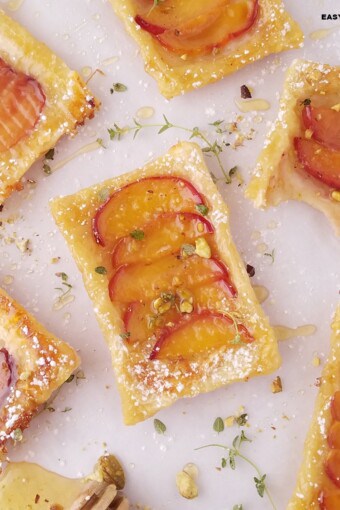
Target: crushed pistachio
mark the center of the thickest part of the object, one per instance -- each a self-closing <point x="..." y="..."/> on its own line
<point x="17" y="435"/>
<point x="336" y="107"/>
<point x="187" y="250"/>
<point x="336" y="195"/>
<point x="186" y="485"/>
<point x="229" y="421"/>
<point x="186" y="307"/>
<point x="276" y="385"/>
<point x="202" y="248"/>
<point x="316" y="361"/>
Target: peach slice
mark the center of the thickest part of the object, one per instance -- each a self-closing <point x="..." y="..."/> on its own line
<point x="325" y="124"/>
<point x="335" y="406"/>
<point x="139" y="202"/>
<point x="141" y="320"/>
<point x="162" y="236"/>
<point x="332" y="466"/>
<point x="334" y="435"/>
<point x="21" y="103"/>
<point x="329" y="500"/>
<point x="236" y="18"/>
<point x="145" y="282"/>
<point x="196" y="334"/>
<point x="319" y="161"/>
<point x="188" y="15"/>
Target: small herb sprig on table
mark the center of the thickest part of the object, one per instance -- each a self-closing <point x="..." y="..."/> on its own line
<point x="234" y="453"/>
<point x="214" y="148"/>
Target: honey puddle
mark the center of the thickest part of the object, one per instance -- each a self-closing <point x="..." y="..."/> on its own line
<point x="261" y="293"/>
<point x="321" y="34"/>
<point x="26" y="486"/>
<point x="93" y="146"/>
<point x="285" y="333"/>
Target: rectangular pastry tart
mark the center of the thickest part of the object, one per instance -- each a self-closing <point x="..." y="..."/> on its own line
<point x="33" y="364"/>
<point x="169" y="289"/>
<point x="41" y="99"/>
<point x="187" y="44"/>
<point x="301" y="156"/>
<point x="318" y="486"/>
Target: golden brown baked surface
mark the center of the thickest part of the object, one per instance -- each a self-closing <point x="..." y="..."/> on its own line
<point x="278" y="174"/>
<point x="68" y="102"/>
<point x="34" y="363"/>
<point x="146" y="385"/>
<point x="274" y="31"/>
<point x="312" y="478"/>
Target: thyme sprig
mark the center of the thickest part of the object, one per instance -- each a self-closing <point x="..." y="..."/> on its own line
<point x="233" y="452"/>
<point x="214" y="148"/>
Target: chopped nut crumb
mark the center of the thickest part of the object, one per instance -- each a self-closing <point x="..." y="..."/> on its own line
<point x="202" y="248"/>
<point x="276" y="385"/>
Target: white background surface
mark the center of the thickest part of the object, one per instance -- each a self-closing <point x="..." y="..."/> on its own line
<point x="303" y="281"/>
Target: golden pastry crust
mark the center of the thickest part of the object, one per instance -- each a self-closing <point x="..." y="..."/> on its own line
<point x="274" y="31"/>
<point x="39" y="362"/>
<point x="316" y="449"/>
<point x="147" y="386"/>
<point x="277" y="177"/>
<point x="68" y="102"/>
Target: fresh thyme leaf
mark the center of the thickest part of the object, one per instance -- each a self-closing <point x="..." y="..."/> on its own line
<point x="63" y="276"/>
<point x="203" y="209"/>
<point x="244" y="438"/>
<point x="260" y="485"/>
<point x="118" y="87"/>
<point x="218" y="425"/>
<point x="230" y="174"/>
<point x="125" y="336"/>
<point x="238" y="507"/>
<point x="101" y="270"/>
<point x="160" y="427"/>
<point x="271" y="255"/>
<point x="137" y="234"/>
<point x="80" y="376"/>
<point x="101" y="143"/>
<point x="50" y="408"/>
<point x="47" y="169"/>
<point x="66" y="410"/>
<point x="70" y="379"/>
<point x="242" y="419"/>
<point x="224" y="462"/>
<point x="231" y="459"/>
<point x="49" y="154"/>
<point x="306" y="102"/>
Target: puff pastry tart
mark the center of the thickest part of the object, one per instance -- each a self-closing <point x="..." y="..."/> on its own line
<point x="33" y="364"/>
<point x="41" y="99"/>
<point x="318" y="486"/>
<point x="168" y="286"/>
<point x="187" y="44"/>
<point x="301" y="157"/>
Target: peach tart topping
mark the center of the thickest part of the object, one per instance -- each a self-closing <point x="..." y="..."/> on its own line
<point x="196" y="27"/>
<point x="175" y="295"/>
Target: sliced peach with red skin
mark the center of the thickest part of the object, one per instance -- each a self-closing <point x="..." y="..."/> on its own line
<point x="335" y="406"/>
<point x="145" y="282"/>
<point x="162" y="236"/>
<point x="324" y="123"/>
<point x="21" y="102"/>
<point x="5" y="373"/>
<point x="334" y="435"/>
<point x="141" y="321"/>
<point x="319" y="161"/>
<point x="189" y="15"/>
<point x="236" y="18"/>
<point x="332" y="466"/>
<point x="330" y="499"/>
<point x="196" y="334"/>
<point x="141" y="201"/>
<point x="212" y="296"/>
